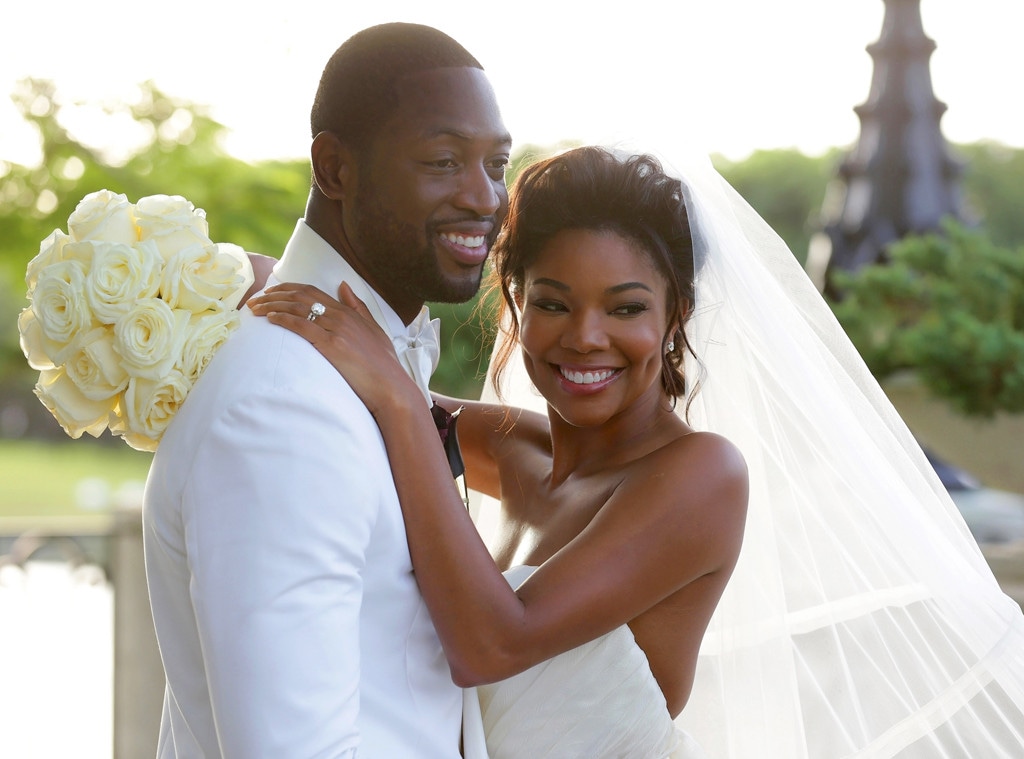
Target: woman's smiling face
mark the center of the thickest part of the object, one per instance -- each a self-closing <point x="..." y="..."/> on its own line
<point x="594" y="325"/>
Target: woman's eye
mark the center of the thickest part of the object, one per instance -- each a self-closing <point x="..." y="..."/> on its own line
<point x="552" y="306"/>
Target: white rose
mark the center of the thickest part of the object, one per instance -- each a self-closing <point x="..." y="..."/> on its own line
<point x="206" y="333"/>
<point x="120" y="275"/>
<point x="94" y="367"/>
<point x="203" y="278"/>
<point x="243" y="265"/>
<point x="103" y="215"/>
<point x="148" y="407"/>
<point x="50" y="252"/>
<point x="72" y="410"/>
<point x="60" y="304"/>
<point x="172" y="222"/>
<point x="149" y="336"/>
<point x="37" y="347"/>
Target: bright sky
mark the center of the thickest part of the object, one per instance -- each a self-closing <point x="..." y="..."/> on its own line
<point x="725" y="76"/>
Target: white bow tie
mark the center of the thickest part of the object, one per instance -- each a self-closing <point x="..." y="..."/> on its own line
<point x="419" y="349"/>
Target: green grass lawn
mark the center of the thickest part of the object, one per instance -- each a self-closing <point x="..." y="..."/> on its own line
<point x="67" y="478"/>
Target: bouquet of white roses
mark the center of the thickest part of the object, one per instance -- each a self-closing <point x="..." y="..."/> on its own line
<point x="127" y="308"/>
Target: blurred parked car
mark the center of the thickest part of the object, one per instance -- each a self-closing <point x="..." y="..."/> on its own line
<point x="993" y="516"/>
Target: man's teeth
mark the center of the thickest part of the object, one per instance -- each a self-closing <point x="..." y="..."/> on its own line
<point x="586" y="378"/>
<point x="467" y="242"/>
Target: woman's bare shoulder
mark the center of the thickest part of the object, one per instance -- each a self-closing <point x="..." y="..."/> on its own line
<point x="710" y="452"/>
<point x="694" y="472"/>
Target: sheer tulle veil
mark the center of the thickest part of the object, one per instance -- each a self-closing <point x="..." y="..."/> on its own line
<point x="862" y="619"/>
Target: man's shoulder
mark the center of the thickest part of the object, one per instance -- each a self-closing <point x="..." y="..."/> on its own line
<point x="263" y="366"/>
<point x="259" y="354"/>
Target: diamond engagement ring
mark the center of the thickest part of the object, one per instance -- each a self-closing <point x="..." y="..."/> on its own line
<point x="317" y="309"/>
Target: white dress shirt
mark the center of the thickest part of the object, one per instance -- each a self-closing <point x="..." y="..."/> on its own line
<point x="286" y="609"/>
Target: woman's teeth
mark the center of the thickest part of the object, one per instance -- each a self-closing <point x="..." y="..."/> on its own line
<point x="586" y="378"/>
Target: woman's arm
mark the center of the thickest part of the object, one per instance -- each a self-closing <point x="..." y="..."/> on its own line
<point x="485" y="430"/>
<point x="652" y="538"/>
<point x="665" y="528"/>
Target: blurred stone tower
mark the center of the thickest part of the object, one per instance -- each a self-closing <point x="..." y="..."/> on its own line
<point x="900" y="178"/>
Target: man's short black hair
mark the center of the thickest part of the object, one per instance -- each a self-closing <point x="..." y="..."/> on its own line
<point x="358" y="92"/>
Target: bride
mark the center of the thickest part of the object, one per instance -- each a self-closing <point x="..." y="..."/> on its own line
<point x="620" y="523"/>
<point x="860" y="620"/>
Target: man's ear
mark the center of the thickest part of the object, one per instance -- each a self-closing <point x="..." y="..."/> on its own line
<point x="333" y="168"/>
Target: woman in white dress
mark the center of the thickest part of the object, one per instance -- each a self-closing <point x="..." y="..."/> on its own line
<point x="860" y="620"/>
<point x="620" y="524"/>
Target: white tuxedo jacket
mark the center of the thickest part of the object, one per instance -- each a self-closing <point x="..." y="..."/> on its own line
<point x="287" y="613"/>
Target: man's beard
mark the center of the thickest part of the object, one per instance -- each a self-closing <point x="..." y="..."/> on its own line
<point x="405" y="258"/>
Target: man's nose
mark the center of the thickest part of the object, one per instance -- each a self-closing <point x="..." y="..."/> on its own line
<point x="480" y="192"/>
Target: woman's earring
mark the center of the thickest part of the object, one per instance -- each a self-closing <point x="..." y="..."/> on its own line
<point x="670" y="347"/>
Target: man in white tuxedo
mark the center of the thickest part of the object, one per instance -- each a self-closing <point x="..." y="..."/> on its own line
<point x="286" y="609"/>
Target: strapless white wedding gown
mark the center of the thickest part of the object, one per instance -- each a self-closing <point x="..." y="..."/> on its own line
<point x="598" y="701"/>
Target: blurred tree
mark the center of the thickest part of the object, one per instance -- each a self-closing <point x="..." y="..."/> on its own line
<point x="993" y="184"/>
<point x="180" y="152"/>
<point x="786" y="188"/>
<point x="951" y="308"/>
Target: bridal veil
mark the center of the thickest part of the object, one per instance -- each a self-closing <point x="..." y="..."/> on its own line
<point x="862" y="619"/>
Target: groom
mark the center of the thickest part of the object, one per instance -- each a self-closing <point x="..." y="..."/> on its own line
<point x="287" y="613"/>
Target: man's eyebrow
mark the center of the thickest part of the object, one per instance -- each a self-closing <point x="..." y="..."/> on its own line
<point x="502" y="139"/>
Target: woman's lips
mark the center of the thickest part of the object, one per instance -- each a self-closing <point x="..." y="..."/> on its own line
<point x="586" y="379"/>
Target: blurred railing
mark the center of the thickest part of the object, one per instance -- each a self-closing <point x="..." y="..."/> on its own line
<point x="113" y="544"/>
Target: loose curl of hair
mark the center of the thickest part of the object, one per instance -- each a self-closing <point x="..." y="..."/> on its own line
<point x="592" y="189"/>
